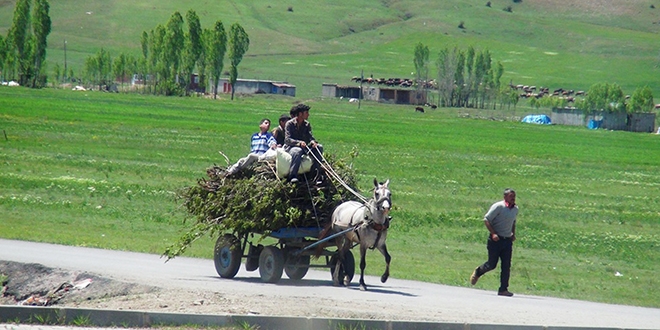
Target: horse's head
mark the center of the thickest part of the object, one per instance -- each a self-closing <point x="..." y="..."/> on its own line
<point x="382" y="196"/>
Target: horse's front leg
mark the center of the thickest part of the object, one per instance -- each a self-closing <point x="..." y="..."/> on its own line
<point x="383" y="250"/>
<point x="363" y="265"/>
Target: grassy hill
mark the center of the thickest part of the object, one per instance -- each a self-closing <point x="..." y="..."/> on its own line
<point x="555" y="43"/>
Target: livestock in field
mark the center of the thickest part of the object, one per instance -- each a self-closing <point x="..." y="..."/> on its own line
<point x="371" y="220"/>
<point x="419" y="109"/>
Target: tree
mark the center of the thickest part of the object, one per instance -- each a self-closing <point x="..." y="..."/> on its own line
<point x="57" y="72"/>
<point x="155" y="65"/>
<point x="203" y="66"/>
<point x="641" y="100"/>
<point x="421" y="62"/>
<point x="17" y="39"/>
<point x="3" y="57"/>
<point x="604" y="97"/>
<point x="239" y="42"/>
<point x="447" y="63"/>
<point x="194" y="46"/>
<point x="41" y="25"/>
<point x="217" y="48"/>
<point x="173" y="46"/>
<point x="120" y="68"/>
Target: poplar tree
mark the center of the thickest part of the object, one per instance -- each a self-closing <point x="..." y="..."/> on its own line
<point x="156" y="67"/>
<point x="17" y="39"/>
<point x="421" y="61"/>
<point x="120" y="68"/>
<point x="216" y="52"/>
<point x="41" y="25"/>
<point x="203" y="61"/>
<point x="3" y="58"/>
<point x="193" y="46"/>
<point x="173" y="45"/>
<point x="239" y="42"/>
<point x="447" y="64"/>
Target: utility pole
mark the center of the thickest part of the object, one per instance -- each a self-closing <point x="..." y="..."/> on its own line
<point x="360" y="95"/>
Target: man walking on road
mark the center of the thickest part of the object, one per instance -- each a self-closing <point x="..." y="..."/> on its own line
<point x="501" y="223"/>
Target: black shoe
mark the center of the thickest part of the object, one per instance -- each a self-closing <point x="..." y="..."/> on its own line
<point x="505" y="293"/>
<point x="293" y="180"/>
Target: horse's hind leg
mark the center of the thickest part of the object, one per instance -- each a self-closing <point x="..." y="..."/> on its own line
<point x="342" y="248"/>
<point x="363" y="265"/>
<point x="383" y="250"/>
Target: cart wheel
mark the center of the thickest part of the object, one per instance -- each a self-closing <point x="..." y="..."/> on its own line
<point x="252" y="260"/>
<point x="271" y="264"/>
<point x="296" y="268"/>
<point x="348" y="268"/>
<point x="227" y="256"/>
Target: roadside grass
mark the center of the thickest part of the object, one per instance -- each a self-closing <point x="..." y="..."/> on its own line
<point x="102" y="170"/>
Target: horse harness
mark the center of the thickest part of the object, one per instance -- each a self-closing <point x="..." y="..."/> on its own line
<point x="378" y="227"/>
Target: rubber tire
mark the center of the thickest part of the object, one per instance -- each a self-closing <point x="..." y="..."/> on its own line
<point x="227" y="256"/>
<point x="271" y="264"/>
<point x="297" y="273"/>
<point x="347" y="270"/>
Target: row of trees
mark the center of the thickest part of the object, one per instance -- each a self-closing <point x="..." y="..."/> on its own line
<point x="171" y="54"/>
<point x="465" y="78"/>
<point x="23" y="50"/>
<point x="469" y="79"/>
<point x="604" y="97"/>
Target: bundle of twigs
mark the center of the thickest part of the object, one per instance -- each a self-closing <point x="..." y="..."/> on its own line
<point x="255" y="200"/>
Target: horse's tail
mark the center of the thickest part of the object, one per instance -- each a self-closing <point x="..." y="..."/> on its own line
<point x="324" y="233"/>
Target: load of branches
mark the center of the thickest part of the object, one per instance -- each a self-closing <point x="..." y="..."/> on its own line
<point x="256" y="200"/>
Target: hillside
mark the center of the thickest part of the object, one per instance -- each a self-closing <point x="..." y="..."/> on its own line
<point x="556" y="43"/>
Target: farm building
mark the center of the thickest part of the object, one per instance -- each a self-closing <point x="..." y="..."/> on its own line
<point x="619" y="121"/>
<point x="334" y="90"/>
<point x="252" y="86"/>
<point x="378" y="94"/>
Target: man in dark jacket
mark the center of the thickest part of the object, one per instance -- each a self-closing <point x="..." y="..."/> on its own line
<point x="298" y="140"/>
<point x="278" y="132"/>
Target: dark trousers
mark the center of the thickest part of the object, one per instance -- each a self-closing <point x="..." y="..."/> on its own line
<point x="296" y="158"/>
<point x="502" y="250"/>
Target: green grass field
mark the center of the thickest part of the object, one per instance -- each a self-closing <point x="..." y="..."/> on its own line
<point x="548" y="43"/>
<point x="102" y="170"/>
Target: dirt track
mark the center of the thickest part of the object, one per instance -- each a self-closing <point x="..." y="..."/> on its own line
<point x="126" y="280"/>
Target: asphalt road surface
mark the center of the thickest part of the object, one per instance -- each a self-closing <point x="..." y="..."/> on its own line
<point x="417" y="300"/>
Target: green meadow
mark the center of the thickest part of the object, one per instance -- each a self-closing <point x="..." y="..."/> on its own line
<point x="103" y="170"/>
<point x="548" y="43"/>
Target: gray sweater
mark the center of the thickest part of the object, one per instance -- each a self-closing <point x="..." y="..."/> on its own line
<point x="502" y="218"/>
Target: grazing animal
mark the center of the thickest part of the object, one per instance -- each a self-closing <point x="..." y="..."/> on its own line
<point x="370" y="221"/>
<point x="419" y="109"/>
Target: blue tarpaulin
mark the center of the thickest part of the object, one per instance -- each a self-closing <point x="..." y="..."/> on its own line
<point x="594" y="124"/>
<point x="537" y="119"/>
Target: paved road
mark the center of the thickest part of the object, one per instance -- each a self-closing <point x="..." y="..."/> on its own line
<point x="449" y="304"/>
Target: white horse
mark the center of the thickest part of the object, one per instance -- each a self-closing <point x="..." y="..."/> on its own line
<point x="370" y="221"/>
